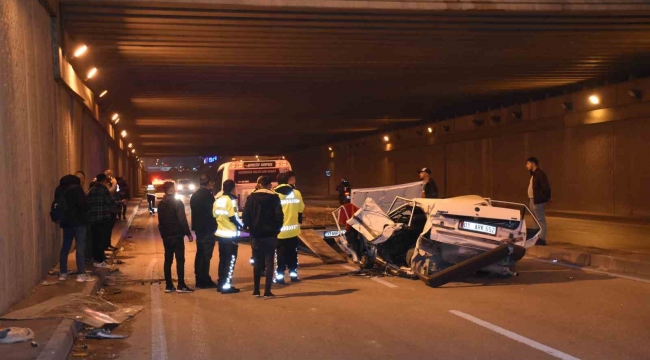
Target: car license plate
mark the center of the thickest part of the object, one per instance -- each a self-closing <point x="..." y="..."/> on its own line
<point x="486" y="229"/>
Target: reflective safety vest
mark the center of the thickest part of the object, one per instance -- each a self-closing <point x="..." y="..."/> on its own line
<point x="224" y="208"/>
<point x="292" y="205"/>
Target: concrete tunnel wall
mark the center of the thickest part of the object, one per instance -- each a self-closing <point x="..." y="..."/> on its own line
<point x="45" y="133"/>
<point x="596" y="156"/>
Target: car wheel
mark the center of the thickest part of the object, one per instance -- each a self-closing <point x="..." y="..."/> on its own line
<point x="366" y="262"/>
<point x="409" y="256"/>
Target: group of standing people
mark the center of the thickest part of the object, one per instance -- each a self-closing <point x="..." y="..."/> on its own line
<point x="272" y="218"/>
<point x="88" y="218"/>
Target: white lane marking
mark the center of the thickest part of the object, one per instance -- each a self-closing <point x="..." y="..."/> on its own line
<point x="158" y="339"/>
<point x="383" y="282"/>
<point x="585" y="269"/>
<point x="376" y="279"/>
<point x="524" y="340"/>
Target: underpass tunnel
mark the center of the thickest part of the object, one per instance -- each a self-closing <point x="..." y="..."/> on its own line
<point x="370" y="91"/>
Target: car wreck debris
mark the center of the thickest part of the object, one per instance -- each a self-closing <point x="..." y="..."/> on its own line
<point x="438" y="240"/>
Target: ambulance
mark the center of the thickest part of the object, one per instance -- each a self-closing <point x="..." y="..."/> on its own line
<point x="244" y="172"/>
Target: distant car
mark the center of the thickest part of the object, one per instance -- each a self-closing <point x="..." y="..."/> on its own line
<point x="185" y="186"/>
<point x="160" y="192"/>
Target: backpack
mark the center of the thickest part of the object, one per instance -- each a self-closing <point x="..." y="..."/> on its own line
<point x="58" y="208"/>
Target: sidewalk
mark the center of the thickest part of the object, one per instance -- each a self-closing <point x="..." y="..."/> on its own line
<point x="56" y="336"/>
<point x="613" y="245"/>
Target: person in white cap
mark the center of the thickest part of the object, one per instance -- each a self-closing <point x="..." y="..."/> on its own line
<point x="429" y="188"/>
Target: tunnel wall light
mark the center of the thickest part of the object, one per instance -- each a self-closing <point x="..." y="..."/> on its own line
<point x="594" y="99"/>
<point x="133" y="151"/>
<point x="91" y="73"/>
<point x="386" y="138"/>
<point x="115" y="116"/>
<point x="130" y="145"/>
<point x="635" y="94"/>
<point x="516" y="115"/>
<point x="329" y="148"/>
<point x="430" y="130"/>
<point x="123" y="133"/>
<point x="103" y="93"/>
<point x="80" y="51"/>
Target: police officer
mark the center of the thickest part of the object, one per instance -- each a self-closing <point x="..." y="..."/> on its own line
<point x="292" y="208"/>
<point x="228" y="229"/>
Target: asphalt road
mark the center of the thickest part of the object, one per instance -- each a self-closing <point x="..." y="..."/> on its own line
<point x="547" y="312"/>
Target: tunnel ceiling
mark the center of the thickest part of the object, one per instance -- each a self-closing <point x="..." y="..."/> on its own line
<point x="190" y="80"/>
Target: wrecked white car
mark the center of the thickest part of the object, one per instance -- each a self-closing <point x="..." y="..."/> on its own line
<point x="438" y="240"/>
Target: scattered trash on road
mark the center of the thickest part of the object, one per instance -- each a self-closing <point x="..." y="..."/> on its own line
<point x="80" y="354"/>
<point x="16" y="334"/>
<point x="103" y="334"/>
<point x="48" y="283"/>
<point x="34" y="344"/>
<point x="87" y="309"/>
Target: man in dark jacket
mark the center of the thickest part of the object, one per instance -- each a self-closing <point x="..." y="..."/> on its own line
<point x="172" y="223"/>
<point x="539" y="193"/>
<point x="263" y="218"/>
<point x="76" y="211"/>
<point x="429" y="188"/>
<point x="204" y="226"/>
<point x="101" y="216"/>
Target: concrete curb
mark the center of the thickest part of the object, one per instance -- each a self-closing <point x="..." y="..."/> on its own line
<point x="125" y="231"/>
<point x="61" y="342"/>
<point x="606" y="263"/>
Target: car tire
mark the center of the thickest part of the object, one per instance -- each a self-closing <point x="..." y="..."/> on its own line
<point x="409" y="256"/>
<point x="366" y="262"/>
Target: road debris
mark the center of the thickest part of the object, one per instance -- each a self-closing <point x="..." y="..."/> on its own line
<point x="103" y="334"/>
<point x="16" y="334"/>
<point x="87" y="309"/>
<point x="48" y="283"/>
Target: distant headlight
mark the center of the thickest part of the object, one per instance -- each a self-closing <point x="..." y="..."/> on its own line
<point x="192" y="187"/>
<point x="179" y="187"/>
<point x="178" y="196"/>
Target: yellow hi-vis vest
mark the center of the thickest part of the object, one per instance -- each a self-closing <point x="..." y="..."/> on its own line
<point x="224" y="208"/>
<point x="292" y="205"/>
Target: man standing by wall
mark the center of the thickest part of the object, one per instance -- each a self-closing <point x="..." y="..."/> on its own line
<point x="263" y="218"/>
<point x="539" y="193"/>
<point x="73" y="201"/>
<point x="204" y="226"/>
<point x="172" y="223"/>
<point x="292" y="208"/>
<point x="228" y="228"/>
<point x="101" y="218"/>
<point x="429" y="188"/>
